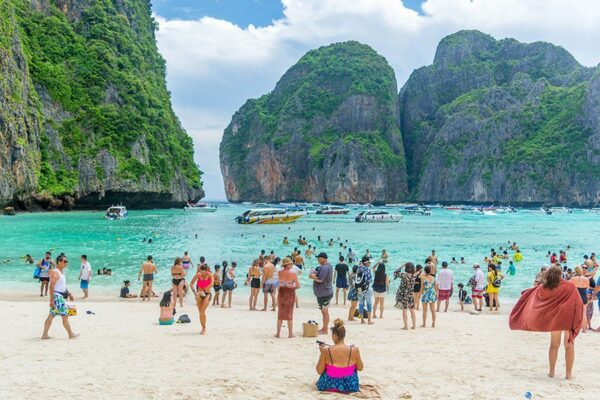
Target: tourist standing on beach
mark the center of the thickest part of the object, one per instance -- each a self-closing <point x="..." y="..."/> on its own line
<point x="429" y="294"/>
<point x="417" y="286"/>
<point x="494" y="280"/>
<point x="253" y="279"/>
<point x="178" y="277"/>
<point x="217" y="280"/>
<point x="58" y="293"/>
<point x="228" y="283"/>
<point x="148" y="269"/>
<point x="477" y="283"/>
<point x="286" y="295"/>
<point x="340" y="276"/>
<point x="269" y="284"/>
<point x="45" y="265"/>
<point x="445" y="281"/>
<point x="201" y="285"/>
<point x="352" y="295"/>
<point x="381" y="284"/>
<point x="552" y="306"/>
<point x="362" y="283"/>
<point x="405" y="297"/>
<point x="85" y="275"/>
<point x="582" y="283"/>
<point x="323" y="288"/>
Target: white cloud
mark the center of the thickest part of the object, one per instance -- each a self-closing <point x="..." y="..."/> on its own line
<point x="214" y="65"/>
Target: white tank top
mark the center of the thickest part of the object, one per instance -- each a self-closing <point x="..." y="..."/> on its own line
<point x="61" y="283"/>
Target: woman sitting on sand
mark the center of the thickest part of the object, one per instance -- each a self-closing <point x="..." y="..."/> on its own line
<point x="429" y="293"/>
<point x="167" y="310"/>
<point x="338" y="364"/>
<point x="405" y="297"/>
<point x="286" y="296"/>
<point x="201" y="285"/>
<point x="178" y="274"/>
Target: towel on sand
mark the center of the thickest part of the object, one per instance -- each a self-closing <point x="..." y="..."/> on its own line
<point x="546" y="310"/>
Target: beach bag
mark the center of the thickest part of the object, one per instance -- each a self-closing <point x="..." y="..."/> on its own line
<point x="357" y="314"/>
<point x="310" y="329"/>
<point x="360" y="281"/>
<point x="497" y="282"/>
<point x="36" y="273"/>
<point x="184" y="319"/>
<point x="71" y="310"/>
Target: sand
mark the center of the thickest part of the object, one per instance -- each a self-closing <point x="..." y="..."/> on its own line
<point x="123" y="353"/>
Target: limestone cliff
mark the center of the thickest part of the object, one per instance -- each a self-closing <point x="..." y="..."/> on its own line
<point x="85" y="116"/>
<point x="502" y="121"/>
<point x="327" y="132"/>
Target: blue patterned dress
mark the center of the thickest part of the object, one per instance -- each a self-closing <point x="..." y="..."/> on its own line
<point x="428" y="295"/>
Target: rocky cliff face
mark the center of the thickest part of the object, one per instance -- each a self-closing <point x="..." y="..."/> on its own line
<point x="502" y="121"/>
<point x="327" y="132"/>
<point x="85" y="117"/>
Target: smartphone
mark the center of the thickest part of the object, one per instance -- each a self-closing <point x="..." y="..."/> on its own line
<point x="321" y="343"/>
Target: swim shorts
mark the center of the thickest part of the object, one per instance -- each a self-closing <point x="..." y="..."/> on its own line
<point x="323" y="302"/>
<point x="477" y="294"/>
<point x="60" y="307"/>
<point x="83" y="284"/>
<point x="444" y="294"/>
<point x="269" y="286"/>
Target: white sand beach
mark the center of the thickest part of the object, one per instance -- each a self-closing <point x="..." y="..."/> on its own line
<point x="123" y="353"/>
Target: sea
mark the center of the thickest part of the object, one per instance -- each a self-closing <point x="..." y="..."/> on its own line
<point x="123" y="245"/>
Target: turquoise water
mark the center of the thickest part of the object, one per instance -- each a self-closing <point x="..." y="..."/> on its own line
<point x="118" y="244"/>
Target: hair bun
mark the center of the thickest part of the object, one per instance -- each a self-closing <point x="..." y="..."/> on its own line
<point x="338" y="322"/>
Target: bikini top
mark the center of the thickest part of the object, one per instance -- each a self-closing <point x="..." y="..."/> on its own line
<point x="340" y="372"/>
<point x="203" y="283"/>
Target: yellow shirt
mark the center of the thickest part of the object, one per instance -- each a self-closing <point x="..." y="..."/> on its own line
<point x="518" y="257"/>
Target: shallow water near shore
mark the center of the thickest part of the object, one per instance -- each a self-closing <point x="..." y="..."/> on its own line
<point x="119" y="244"/>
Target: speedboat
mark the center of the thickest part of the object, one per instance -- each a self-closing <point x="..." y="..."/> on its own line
<point x="377" y="216"/>
<point x="116" y="212"/>
<point x="333" y="210"/>
<point x="415" y="210"/>
<point x="546" y="210"/>
<point x="269" y="216"/>
<point x="561" y="210"/>
<point x="201" y="207"/>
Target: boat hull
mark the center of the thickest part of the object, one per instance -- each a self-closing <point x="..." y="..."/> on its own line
<point x="283" y="219"/>
<point x="200" y="209"/>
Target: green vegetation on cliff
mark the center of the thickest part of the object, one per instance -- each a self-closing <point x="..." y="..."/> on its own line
<point x="98" y="65"/>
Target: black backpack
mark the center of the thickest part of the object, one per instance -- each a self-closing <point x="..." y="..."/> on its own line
<point x="497" y="281"/>
<point x="360" y="280"/>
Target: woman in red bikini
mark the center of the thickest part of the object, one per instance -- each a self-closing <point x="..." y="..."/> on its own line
<point x="201" y="285"/>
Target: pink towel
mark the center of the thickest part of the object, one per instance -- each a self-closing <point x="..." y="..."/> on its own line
<point x="546" y="310"/>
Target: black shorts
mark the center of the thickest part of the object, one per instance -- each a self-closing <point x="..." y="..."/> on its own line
<point x="255" y="283"/>
<point x="45" y="279"/>
<point x="323" y="302"/>
<point x="217" y="288"/>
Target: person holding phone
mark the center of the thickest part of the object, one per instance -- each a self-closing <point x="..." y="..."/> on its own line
<point x="339" y="364"/>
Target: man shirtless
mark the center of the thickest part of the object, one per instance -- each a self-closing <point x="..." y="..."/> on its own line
<point x="299" y="260"/>
<point x="269" y="284"/>
<point x="149" y="269"/>
<point x="309" y="252"/>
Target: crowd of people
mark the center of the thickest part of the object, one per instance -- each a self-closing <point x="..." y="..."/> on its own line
<point x="363" y="282"/>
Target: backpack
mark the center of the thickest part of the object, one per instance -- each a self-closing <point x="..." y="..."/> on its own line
<point x="360" y="280"/>
<point x="36" y="273"/>
<point x="497" y="281"/>
<point x="472" y="282"/>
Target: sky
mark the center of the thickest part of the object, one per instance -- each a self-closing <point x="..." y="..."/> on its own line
<point x="220" y="53"/>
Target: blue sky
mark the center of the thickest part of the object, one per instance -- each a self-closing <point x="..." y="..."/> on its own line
<point x="216" y="64"/>
<point x="239" y="12"/>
